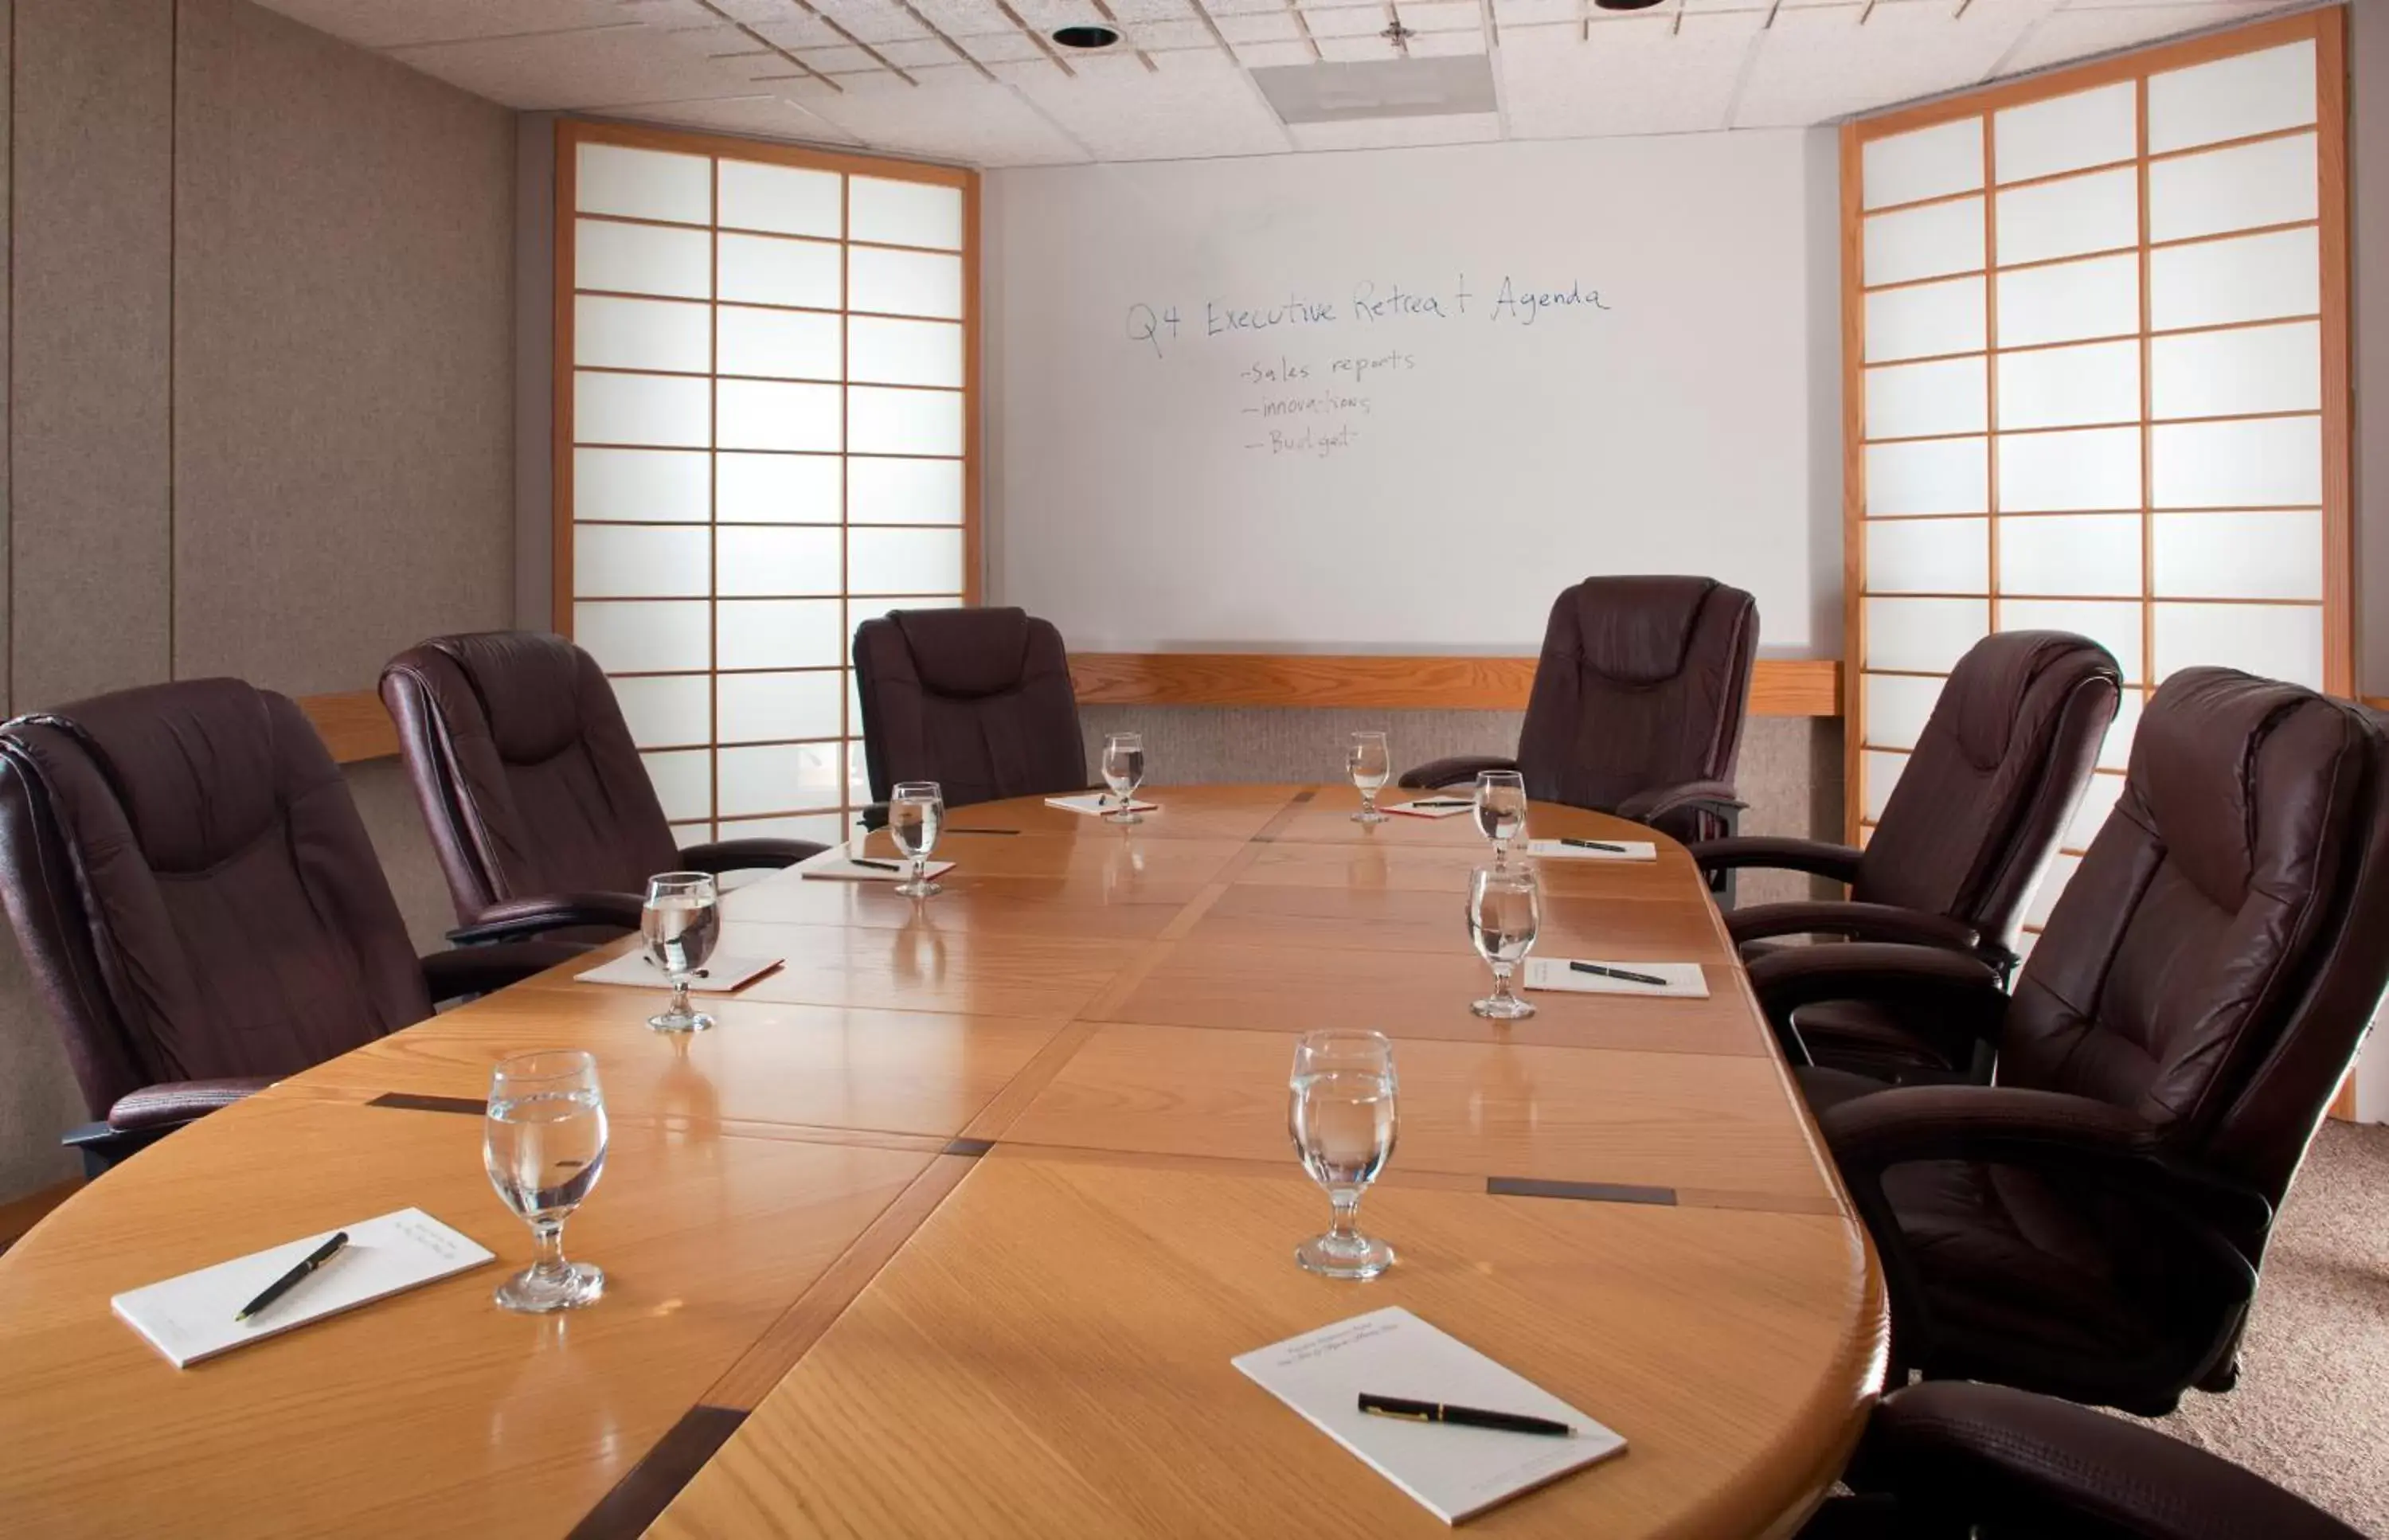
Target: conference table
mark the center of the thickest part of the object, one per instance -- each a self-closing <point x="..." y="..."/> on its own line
<point x="953" y="1223"/>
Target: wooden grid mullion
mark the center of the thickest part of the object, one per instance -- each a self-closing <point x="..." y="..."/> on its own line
<point x="713" y="514"/>
<point x="2148" y="399"/>
<point x="1991" y="370"/>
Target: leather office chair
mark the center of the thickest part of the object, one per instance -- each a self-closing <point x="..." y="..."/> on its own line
<point x="200" y="905"/>
<point x="1637" y="707"/>
<point x="977" y="700"/>
<point x="1955" y="1461"/>
<point x="1997" y="773"/>
<point x="536" y="799"/>
<point x="2092" y="1226"/>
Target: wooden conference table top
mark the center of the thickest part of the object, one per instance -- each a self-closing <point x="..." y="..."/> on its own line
<point x="953" y="1224"/>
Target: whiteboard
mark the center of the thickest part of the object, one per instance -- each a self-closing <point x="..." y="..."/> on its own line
<point x="1395" y="400"/>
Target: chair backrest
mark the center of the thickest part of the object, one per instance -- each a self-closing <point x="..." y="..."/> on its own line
<point x="2215" y="961"/>
<point x="977" y="700"/>
<point x="1996" y="771"/>
<point x="193" y="888"/>
<point x="528" y="778"/>
<point x="1641" y="685"/>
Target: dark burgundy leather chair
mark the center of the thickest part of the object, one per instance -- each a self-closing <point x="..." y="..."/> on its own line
<point x="1637" y="707"/>
<point x="2092" y="1224"/>
<point x="535" y="795"/>
<point x="977" y="700"/>
<point x="200" y="903"/>
<point x="1948" y="1460"/>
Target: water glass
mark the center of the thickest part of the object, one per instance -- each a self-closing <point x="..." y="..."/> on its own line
<point x="916" y="813"/>
<point x="1505" y="911"/>
<point x="543" y="1144"/>
<point x="1372" y="764"/>
<point x="1501" y="811"/>
<point x="1124" y="772"/>
<point x="680" y="921"/>
<point x="1342" y="1116"/>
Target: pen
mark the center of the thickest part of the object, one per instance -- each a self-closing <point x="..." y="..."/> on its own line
<point x="865" y="860"/>
<point x="1444" y="802"/>
<point x="1466" y="1416"/>
<point x="291" y="1280"/>
<point x="1595" y="844"/>
<point x="1652" y="979"/>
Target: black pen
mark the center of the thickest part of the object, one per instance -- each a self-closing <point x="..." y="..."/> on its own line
<point x="1595" y="844"/>
<point x="1652" y="979"/>
<point x="865" y="860"/>
<point x="1445" y="802"/>
<point x="1466" y="1416"/>
<point x="289" y="1280"/>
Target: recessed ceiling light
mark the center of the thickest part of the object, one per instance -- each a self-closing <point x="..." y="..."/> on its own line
<point x="1086" y="37"/>
<point x="1625" y="5"/>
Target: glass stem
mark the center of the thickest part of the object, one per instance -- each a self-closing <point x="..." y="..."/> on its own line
<point x="920" y="869"/>
<point x="548" y="1236"/>
<point x="1342" y="1228"/>
<point x="1502" y="982"/>
<point x="680" y="997"/>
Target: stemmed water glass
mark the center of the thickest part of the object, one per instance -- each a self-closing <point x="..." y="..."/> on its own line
<point x="1505" y="911"/>
<point x="1501" y="811"/>
<point x="680" y="921"/>
<point x="1372" y="764"/>
<point x="1342" y="1116"/>
<point x="543" y="1144"/>
<point x="1124" y="772"/>
<point x="916" y="813"/>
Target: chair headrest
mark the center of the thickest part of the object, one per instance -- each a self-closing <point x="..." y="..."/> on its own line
<point x="967" y="653"/>
<point x="1986" y="689"/>
<point x="528" y="686"/>
<point x="1637" y="630"/>
<point x="2196" y="765"/>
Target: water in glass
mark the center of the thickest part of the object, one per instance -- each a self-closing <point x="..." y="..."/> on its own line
<point x="1372" y="765"/>
<point x="1505" y="912"/>
<point x="680" y="921"/>
<point x="543" y="1145"/>
<point x="1124" y="772"/>
<point x="1342" y="1116"/>
<point x="1501" y="809"/>
<point x="915" y="812"/>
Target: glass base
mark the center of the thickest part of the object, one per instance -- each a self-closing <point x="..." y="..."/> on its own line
<point x="1502" y="1008"/>
<point x="1330" y="1255"/>
<point x="1124" y="815"/>
<point x="1370" y="815"/>
<point x="922" y="889"/>
<point x="689" y="1021"/>
<point x="569" y="1287"/>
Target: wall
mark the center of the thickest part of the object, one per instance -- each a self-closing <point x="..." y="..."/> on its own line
<point x="260" y="399"/>
<point x="2368" y="181"/>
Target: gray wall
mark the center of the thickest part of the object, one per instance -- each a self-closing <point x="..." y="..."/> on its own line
<point x="261" y="395"/>
<point x="2368" y="185"/>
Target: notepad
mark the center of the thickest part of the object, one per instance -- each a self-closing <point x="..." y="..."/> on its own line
<point x="1627" y="850"/>
<point x="190" y="1318"/>
<point x="1456" y="1472"/>
<point x="1685" y="980"/>
<point x="837" y="866"/>
<point x="721" y="975"/>
<point x="1099" y="803"/>
<point x="1420" y="809"/>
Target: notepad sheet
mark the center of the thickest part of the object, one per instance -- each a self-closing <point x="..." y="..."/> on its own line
<point x="1627" y="850"/>
<point x="721" y="976"/>
<point x="837" y="866"/>
<point x="1096" y="803"/>
<point x="1421" y="809"/>
<point x="1684" y="980"/>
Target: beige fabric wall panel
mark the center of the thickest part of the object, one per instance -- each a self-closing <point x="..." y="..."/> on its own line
<point x="344" y="362"/>
<point x="7" y="36"/>
<point x="92" y="257"/>
<point x="2367" y="192"/>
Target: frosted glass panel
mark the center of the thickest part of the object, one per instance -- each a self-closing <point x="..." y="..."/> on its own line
<point x="858" y="770"/>
<point x="2233" y="98"/>
<point x="2067" y="133"/>
<point x="782" y="344"/>
<point x="667" y="713"/>
<point x="905" y="283"/>
<point x="762" y="561"/>
<point x="1948" y="476"/>
<point x="1926" y="320"/>
<point x="2224" y="374"/>
<point x="2088" y="469"/>
<point x="633" y="638"/>
<point x="683" y="781"/>
<point x="2053" y="884"/>
<point x="904" y="561"/>
<point x="642" y="258"/>
<point x="768" y="414"/>
<point x="1928" y="556"/>
<point x="2115" y="626"/>
<point x="781" y="778"/>
<point x="778" y="488"/>
<point x="780" y="634"/>
<point x="2274" y="555"/>
<point x="2248" y="278"/>
<point x="1897" y="706"/>
<point x="2272" y="462"/>
<point x="904" y="492"/>
<point x="859" y="610"/>
<point x="1923" y="636"/>
<point x="886" y="421"/>
<point x="904" y="352"/>
<point x="1930" y="162"/>
<point x="2095" y="555"/>
<point x="767" y="707"/>
<point x="2275" y="640"/>
<point x="666" y="409"/>
<point x="820" y="828"/>
<point x="768" y="271"/>
<point x="646" y="486"/>
<point x="1881" y="772"/>
<point x="2099" y="382"/>
<point x="2115" y="751"/>
<point x="1924" y="243"/>
<point x="2067" y="302"/>
<point x="644" y="184"/>
<point x="2097" y="212"/>
<point x="639" y="334"/>
<point x="906" y="213"/>
<point x="626" y="560"/>
<point x="786" y="199"/>
<point x="1908" y="400"/>
<point x="2269" y="183"/>
<point x="2090" y="814"/>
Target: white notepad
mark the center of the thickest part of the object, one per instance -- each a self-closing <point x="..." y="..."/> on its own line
<point x="1627" y="850"/>
<point x="1685" y="980"/>
<point x="837" y="866"/>
<point x="721" y="974"/>
<point x="1098" y="802"/>
<point x="1456" y="1471"/>
<point x="1418" y="810"/>
<point x="190" y="1318"/>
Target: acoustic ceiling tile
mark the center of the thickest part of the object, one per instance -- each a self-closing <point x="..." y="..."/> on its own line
<point x="1264" y="56"/>
<point x="1166" y="35"/>
<point x="1045" y="16"/>
<point x="1153" y="10"/>
<point x="954" y="115"/>
<point x="871" y="21"/>
<point x="1439" y="16"/>
<point x="1815" y="65"/>
<point x="1627" y="79"/>
<point x="917" y="53"/>
<point x="628" y="63"/>
<point x="1347" y="21"/>
<point x="1529" y="13"/>
<point x="1243" y="7"/>
<point x="1447" y="44"/>
<point x="2076" y="32"/>
<point x="382" y="24"/>
<point x="1354" y="49"/>
<point x="771" y="116"/>
<point x="1194" y="104"/>
<point x="1006" y="47"/>
<point x="1460" y="128"/>
<point x="1261" y="27"/>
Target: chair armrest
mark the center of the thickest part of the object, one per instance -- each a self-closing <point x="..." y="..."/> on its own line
<point x="483" y="970"/>
<point x="177" y="1101"/>
<point x="1839" y="862"/>
<point x="1659" y="801"/>
<point x="744" y="855"/>
<point x="1913" y="927"/>
<point x="1928" y="979"/>
<point x="1450" y="772"/>
<point x="519" y="918"/>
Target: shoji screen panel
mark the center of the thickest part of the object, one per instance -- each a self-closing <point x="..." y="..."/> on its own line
<point x="2096" y="340"/>
<point x="765" y="435"/>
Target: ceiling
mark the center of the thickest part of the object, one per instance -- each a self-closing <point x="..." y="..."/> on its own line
<point x="976" y="82"/>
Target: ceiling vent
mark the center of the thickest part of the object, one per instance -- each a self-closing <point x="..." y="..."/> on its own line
<point x="1339" y="92"/>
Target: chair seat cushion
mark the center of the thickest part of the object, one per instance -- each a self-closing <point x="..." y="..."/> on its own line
<point x="1873" y="1039"/>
